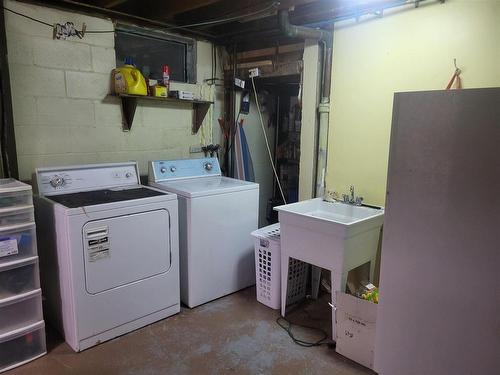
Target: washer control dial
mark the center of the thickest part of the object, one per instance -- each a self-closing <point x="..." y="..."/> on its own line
<point x="208" y="166"/>
<point x="128" y="174"/>
<point x="57" y="181"/>
<point x="173" y="169"/>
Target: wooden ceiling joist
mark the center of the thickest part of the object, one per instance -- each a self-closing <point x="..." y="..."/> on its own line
<point x="109" y="3"/>
<point x="172" y="8"/>
<point x="270" y="51"/>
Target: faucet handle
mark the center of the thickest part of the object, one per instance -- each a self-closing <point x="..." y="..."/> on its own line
<point x="345" y="198"/>
<point x="359" y="201"/>
<point x="330" y="196"/>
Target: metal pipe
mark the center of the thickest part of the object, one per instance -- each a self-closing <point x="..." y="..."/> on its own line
<point x="325" y="38"/>
<point x="377" y="11"/>
<point x="294" y="31"/>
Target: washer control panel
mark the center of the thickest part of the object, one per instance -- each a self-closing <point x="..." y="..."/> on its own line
<point x="163" y="170"/>
<point x="87" y="177"/>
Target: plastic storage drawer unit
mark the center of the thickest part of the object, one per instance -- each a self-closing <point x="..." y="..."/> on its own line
<point x="19" y="277"/>
<point x="20" y="311"/>
<point x="16" y="215"/>
<point x="17" y="242"/>
<point x="14" y="193"/>
<point x="21" y="346"/>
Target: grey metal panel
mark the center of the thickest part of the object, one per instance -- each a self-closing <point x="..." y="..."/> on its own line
<point x="439" y="310"/>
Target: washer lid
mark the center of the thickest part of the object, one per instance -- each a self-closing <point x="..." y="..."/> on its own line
<point x="199" y="187"/>
<point x="94" y="197"/>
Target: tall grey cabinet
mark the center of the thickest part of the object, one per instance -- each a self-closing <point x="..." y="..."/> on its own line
<point x="439" y="310"/>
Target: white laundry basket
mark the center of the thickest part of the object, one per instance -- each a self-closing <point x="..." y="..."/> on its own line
<point x="268" y="269"/>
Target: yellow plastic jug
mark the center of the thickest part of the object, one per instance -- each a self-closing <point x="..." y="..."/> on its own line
<point x="129" y="80"/>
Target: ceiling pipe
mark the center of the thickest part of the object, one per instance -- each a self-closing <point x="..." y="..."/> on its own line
<point x="325" y="38"/>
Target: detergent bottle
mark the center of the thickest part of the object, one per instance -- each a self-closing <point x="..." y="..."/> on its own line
<point x="129" y="80"/>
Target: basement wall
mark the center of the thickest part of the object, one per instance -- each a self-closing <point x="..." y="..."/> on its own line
<point x="405" y="50"/>
<point x="62" y="115"/>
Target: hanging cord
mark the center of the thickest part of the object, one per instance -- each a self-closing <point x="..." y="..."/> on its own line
<point x="267" y="142"/>
<point x="287" y="326"/>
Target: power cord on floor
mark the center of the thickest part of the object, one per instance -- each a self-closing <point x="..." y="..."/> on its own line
<point x="287" y="326"/>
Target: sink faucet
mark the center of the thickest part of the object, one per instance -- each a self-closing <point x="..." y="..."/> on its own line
<point x="351" y="197"/>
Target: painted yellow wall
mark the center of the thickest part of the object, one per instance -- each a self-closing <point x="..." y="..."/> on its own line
<point x="406" y="50"/>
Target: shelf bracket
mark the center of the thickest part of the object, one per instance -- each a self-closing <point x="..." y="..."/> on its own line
<point x="129" y="106"/>
<point x="199" y="112"/>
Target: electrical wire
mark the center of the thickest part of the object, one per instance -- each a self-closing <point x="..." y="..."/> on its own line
<point x="287" y="326"/>
<point x="28" y="17"/>
<point x="205" y="23"/>
<point x="57" y="24"/>
<point x="267" y="141"/>
<point x="229" y="19"/>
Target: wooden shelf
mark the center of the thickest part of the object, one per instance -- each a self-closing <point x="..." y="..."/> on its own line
<point x="129" y="105"/>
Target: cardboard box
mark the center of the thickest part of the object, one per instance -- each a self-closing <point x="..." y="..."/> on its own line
<point x="355" y="328"/>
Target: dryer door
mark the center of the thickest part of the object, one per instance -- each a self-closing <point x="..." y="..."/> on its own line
<point x="125" y="249"/>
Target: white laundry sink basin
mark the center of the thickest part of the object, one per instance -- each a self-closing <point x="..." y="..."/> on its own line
<point x="331" y="235"/>
<point x="333" y="217"/>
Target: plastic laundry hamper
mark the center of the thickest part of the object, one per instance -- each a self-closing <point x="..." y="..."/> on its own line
<point x="268" y="269"/>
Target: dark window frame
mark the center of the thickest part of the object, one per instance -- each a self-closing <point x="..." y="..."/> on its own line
<point x="190" y="43"/>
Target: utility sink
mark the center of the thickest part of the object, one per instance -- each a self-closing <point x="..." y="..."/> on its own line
<point x="334" y="217"/>
<point x="332" y="235"/>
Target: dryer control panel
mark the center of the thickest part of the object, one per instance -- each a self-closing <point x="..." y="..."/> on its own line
<point x="165" y="170"/>
<point x="62" y="180"/>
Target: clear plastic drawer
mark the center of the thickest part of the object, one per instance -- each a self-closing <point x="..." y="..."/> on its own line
<point x="21" y="346"/>
<point x="20" y="311"/>
<point x="16" y="215"/>
<point x="17" y="242"/>
<point x="19" y="277"/>
<point x="14" y="193"/>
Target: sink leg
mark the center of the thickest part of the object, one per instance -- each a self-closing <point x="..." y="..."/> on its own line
<point x="338" y="281"/>
<point x="285" y="260"/>
<point x="335" y="284"/>
<point x="372" y="270"/>
<point x="315" y="281"/>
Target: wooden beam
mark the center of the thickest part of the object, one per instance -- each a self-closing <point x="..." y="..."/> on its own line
<point x="270" y="51"/>
<point x="109" y="3"/>
<point x="171" y="8"/>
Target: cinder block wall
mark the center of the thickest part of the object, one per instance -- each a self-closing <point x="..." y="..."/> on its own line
<point x="62" y="114"/>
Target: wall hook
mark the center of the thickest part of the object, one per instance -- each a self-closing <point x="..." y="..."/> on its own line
<point x="457" y="69"/>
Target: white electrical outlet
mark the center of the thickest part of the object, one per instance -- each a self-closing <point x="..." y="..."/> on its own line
<point x="254" y="72"/>
<point x="195" y="149"/>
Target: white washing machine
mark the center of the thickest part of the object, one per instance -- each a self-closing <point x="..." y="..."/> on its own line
<point x="108" y="250"/>
<point x="216" y="216"/>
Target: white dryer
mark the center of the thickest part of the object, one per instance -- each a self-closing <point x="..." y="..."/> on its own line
<point x="108" y="250"/>
<point x="216" y="216"/>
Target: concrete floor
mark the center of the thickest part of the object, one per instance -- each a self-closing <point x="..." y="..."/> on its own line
<point x="232" y="335"/>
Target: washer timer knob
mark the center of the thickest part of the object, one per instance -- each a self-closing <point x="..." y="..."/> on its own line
<point x="128" y="174"/>
<point x="173" y="169"/>
<point x="208" y="166"/>
<point x="57" y="181"/>
<point x="163" y="169"/>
